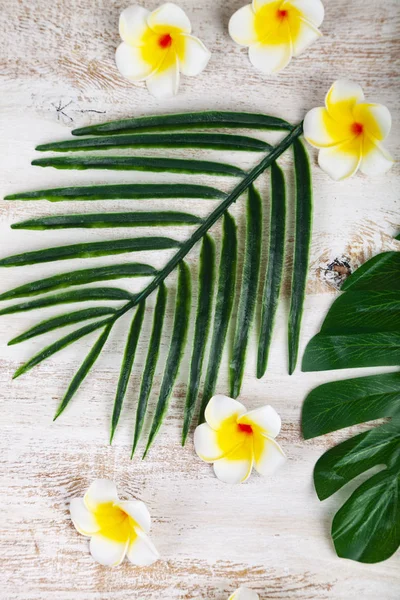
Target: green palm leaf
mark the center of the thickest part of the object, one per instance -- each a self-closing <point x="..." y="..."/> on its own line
<point x="82" y="277"/>
<point x="248" y="293"/>
<point x="360" y="330"/>
<point x="178" y="339"/>
<point x="203" y="319"/>
<point x="84" y="370"/>
<point x="81" y="295"/>
<point x="158" y="132"/>
<point x="151" y="363"/>
<point x="223" y="308"/>
<point x="275" y="266"/>
<point x="140" y="163"/>
<point x="62" y="321"/>
<point x="207" y="119"/>
<point x="301" y="249"/>
<point x="89" y="250"/>
<point x="100" y="220"/>
<point x="127" y="364"/>
<point x="208" y="141"/>
<point x="131" y="191"/>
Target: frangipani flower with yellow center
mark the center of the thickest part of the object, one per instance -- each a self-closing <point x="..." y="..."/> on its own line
<point x="349" y="131"/>
<point x="157" y="46"/>
<point x="236" y="440"/>
<point x="244" y="593"/>
<point x="276" y="30"/>
<point x="116" y="528"/>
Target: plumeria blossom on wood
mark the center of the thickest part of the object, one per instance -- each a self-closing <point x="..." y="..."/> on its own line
<point x="244" y="593"/>
<point x="235" y="440"/>
<point x="349" y="132"/>
<point x="116" y="528"/>
<point x="276" y="30"/>
<point x="157" y="46"/>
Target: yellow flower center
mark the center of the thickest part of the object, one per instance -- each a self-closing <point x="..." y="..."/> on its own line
<point x="114" y="523"/>
<point x="275" y="25"/>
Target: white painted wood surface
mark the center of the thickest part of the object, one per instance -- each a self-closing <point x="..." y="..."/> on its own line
<point x="57" y="71"/>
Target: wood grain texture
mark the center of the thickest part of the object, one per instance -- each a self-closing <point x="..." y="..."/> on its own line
<point x="56" y="72"/>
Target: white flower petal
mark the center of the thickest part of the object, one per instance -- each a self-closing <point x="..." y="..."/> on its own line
<point x="133" y="24"/>
<point x="220" y="408"/>
<point x="130" y="63"/>
<point x="265" y="419"/>
<point x="195" y="56"/>
<point x="341" y="161"/>
<point x="164" y="83"/>
<point x="307" y="35"/>
<point x="270" y="58"/>
<point x="242" y="26"/>
<point x="206" y="443"/>
<point x="376" y="160"/>
<point x="321" y="131"/>
<point x="169" y="15"/>
<point x="138" y="511"/>
<point x="375" y="118"/>
<point x="100" y="492"/>
<point x="82" y="518"/>
<point x="312" y="10"/>
<point x="244" y="593"/>
<point x="107" y="552"/>
<point x="268" y="455"/>
<point x="141" y="551"/>
<point x="236" y="466"/>
<point x="342" y="98"/>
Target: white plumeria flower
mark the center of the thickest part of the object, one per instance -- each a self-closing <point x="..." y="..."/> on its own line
<point x="236" y="440"/>
<point x="116" y="528"/>
<point x="349" y="131"/>
<point x="157" y="46"/>
<point x="276" y="30"/>
<point x="244" y="593"/>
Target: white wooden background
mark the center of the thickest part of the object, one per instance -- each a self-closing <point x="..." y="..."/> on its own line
<point x="57" y="72"/>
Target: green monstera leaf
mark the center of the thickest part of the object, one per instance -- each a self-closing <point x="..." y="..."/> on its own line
<point x="361" y="329"/>
<point x="217" y="274"/>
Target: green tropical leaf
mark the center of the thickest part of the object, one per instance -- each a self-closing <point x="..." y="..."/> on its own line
<point x="125" y="191"/>
<point x="198" y="241"/>
<point x="127" y="364"/>
<point x="208" y="141"/>
<point x="326" y="352"/>
<point x="367" y="527"/>
<point x="62" y="321"/>
<point x="301" y="249"/>
<point x="99" y="220"/>
<point x="248" y="293"/>
<point x="379" y="274"/>
<point x="203" y="319"/>
<point x="89" y="250"/>
<point x="178" y="339"/>
<point x="357" y="332"/>
<point x="276" y="256"/>
<point x="84" y="369"/>
<point x="223" y="307"/>
<point x="339" y="404"/>
<point x="140" y="163"/>
<point x="151" y="363"/>
<point x="206" y="119"/>
<point x="363" y="312"/>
